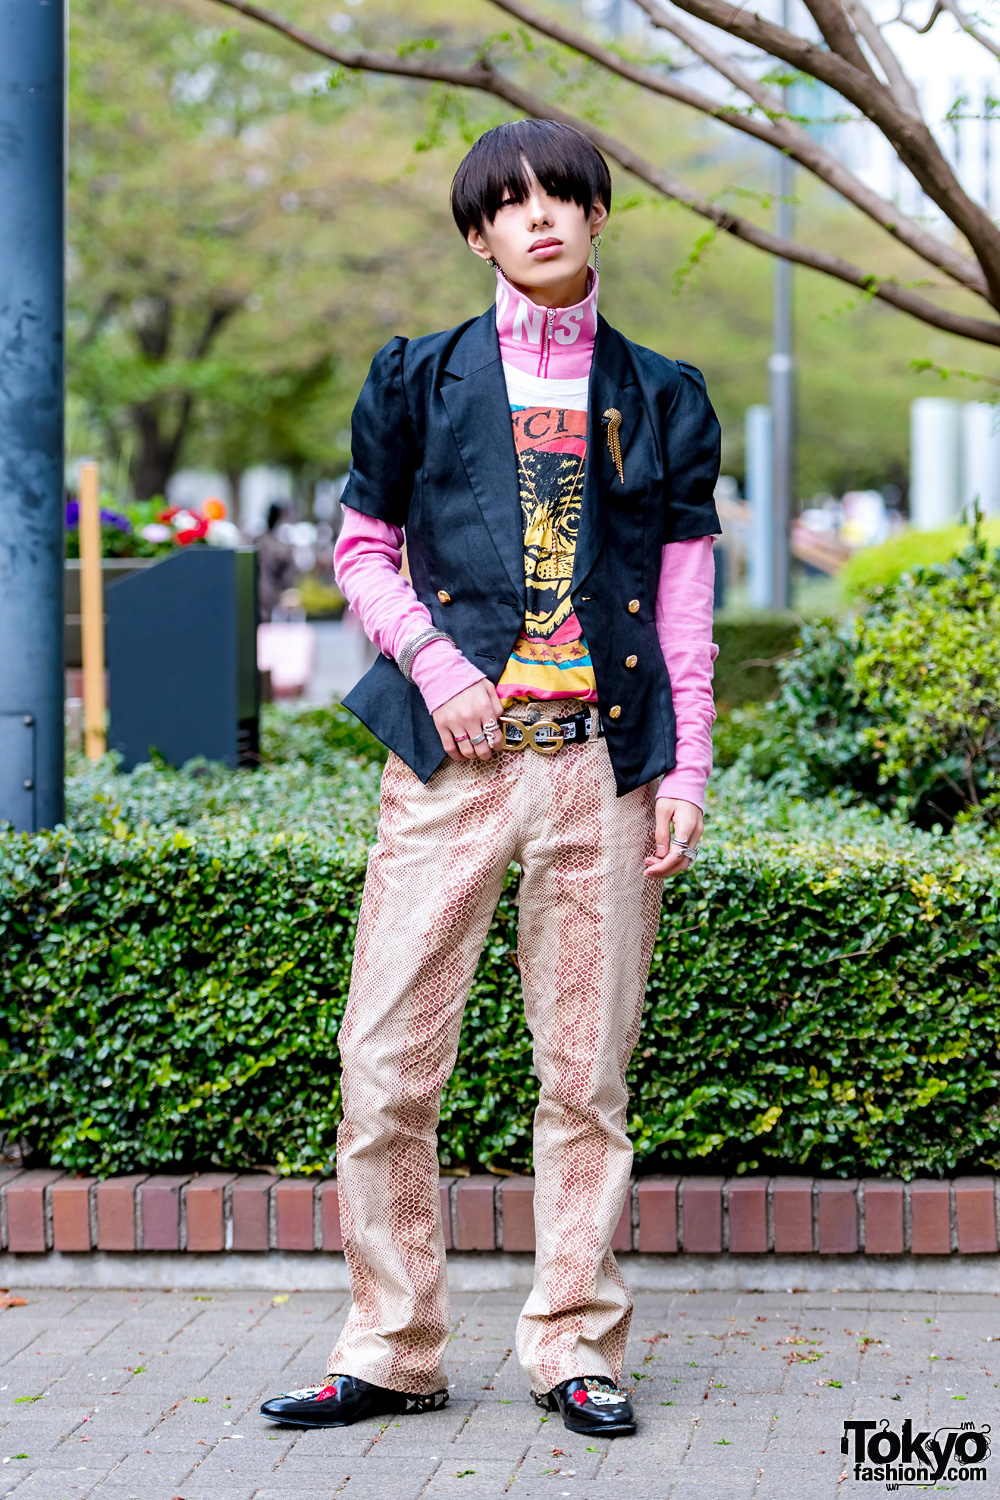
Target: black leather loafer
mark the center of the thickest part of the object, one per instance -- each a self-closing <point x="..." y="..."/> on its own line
<point x="342" y="1400"/>
<point x="591" y="1404"/>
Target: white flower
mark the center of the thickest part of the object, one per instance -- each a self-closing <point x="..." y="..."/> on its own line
<point x="156" y="531"/>
<point x="223" y="534"/>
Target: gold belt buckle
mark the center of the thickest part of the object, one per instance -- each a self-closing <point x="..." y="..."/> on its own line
<point x="553" y="739"/>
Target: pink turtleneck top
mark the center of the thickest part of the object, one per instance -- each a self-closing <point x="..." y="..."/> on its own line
<point x="546" y="356"/>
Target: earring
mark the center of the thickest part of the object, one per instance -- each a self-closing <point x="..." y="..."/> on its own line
<point x="497" y="266"/>
<point x="595" y="240"/>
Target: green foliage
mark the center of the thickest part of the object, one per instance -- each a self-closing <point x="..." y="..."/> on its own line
<point x="901" y="703"/>
<point x="879" y="567"/>
<point x="318" y="737"/>
<point x="752" y="738"/>
<point x="118" y="542"/>
<point x="174" y="966"/>
<point x="928" y="670"/>
<point x="320" y="776"/>
<point x="819" y="714"/>
<point x="321" y="601"/>
<point x="750" y="646"/>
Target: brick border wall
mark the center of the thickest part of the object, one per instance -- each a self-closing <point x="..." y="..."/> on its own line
<point x="46" y="1209"/>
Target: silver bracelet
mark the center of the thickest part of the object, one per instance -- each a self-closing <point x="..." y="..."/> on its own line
<point x="404" y="660"/>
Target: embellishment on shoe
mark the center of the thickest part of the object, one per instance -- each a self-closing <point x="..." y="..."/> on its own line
<point x="601" y="1392"/>
<point x="581" y="1397"/>
<point x="434" y="1402"/>
<point x="311" y="1393"/>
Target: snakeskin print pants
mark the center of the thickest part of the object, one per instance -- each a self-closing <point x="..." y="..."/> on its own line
<point x="587" y="924"/>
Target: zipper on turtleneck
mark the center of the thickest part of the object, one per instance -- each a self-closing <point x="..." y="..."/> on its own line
<point x="546" y="342"/>
<point x="530" y="345"/>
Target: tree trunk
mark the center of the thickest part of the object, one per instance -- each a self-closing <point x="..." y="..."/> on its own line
<point x="159" y="431"/>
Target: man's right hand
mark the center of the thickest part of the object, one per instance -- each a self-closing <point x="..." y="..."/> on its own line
<point x="461" y="720"/>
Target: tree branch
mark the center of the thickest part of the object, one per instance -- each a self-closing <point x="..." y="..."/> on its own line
<point x="770" y="131"/>
<point x="172" y="450"/>
<point x="769" y="102"/>
<point x="835" y="30"/>
<point x="781" y="132"/>
<point x="109" y="306"/>
<point x="963" y="20"/>
<point x="218" y="317"/>
<point x="910" y="137"/>
<point x="153" y="323"/>
<point x="477" y="75"/>
<point x="484" y="78"/>
<point x="884" y="55"/>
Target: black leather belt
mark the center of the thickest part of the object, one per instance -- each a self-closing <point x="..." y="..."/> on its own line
<point x="549" y="735"/>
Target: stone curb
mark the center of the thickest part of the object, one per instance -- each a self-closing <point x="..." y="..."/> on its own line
<point x="212" y="1212"/>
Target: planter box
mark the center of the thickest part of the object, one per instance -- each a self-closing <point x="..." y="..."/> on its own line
<point x="182" y="658"/>
<point x="112" y="570"/>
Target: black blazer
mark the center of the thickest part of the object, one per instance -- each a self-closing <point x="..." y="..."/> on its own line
<point x="433" y="451"/>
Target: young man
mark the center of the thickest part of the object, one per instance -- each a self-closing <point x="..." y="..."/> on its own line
<point x="545" y="690"/>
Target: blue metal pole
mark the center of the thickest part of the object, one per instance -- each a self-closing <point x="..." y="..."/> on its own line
<point x="32" y="229"/>
<point x="781" y="373"/>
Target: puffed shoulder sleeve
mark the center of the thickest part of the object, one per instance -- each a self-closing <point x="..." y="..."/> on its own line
<point x="383" y="450"/>
<point x="692" y="442"/>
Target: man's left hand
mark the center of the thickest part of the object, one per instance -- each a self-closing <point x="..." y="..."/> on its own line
<point x="679" y="820"/>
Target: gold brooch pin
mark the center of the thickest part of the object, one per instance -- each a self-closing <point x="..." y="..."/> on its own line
<point x="613" y="421"/>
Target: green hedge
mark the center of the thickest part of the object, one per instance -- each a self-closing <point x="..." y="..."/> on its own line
<point x="879" y="567"/>
<point x="750" y="645"/>
<point x="825" y="990"/>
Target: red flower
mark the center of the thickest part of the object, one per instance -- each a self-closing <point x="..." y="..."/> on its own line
<point x="168" y="515"/>
<point x="195" y="533"/>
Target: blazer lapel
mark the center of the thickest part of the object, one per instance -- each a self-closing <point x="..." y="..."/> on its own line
<point x="612" y="387"/>
<point x="479" y="412"/>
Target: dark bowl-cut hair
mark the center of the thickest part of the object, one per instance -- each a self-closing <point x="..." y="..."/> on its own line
<point x="566" y="163"/>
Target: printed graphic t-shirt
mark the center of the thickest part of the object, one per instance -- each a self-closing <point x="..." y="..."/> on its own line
<point x="550" y="658"/>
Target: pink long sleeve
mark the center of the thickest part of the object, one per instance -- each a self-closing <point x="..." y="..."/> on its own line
<point x="366" y="562"/>
<point x="684" y="601"/>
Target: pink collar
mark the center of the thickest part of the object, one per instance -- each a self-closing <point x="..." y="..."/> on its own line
<point x="553" y="342"/>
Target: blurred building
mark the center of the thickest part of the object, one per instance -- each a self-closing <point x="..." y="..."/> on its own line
<point x="954" y="460"/>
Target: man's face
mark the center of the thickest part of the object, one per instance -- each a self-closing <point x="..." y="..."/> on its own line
<point x="540" y="243"/>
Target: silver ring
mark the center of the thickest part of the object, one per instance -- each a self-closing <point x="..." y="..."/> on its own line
<point x="478" y="740"/>
<point x="490" y="724"/>
<point x="690" y="851"/>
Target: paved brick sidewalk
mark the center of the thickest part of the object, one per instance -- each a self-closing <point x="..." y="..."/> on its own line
<point x="154" y="1396"/>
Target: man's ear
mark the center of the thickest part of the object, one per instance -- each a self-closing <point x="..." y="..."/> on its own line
<point x="478" y="245"/>
<point x="598" y="217"/>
